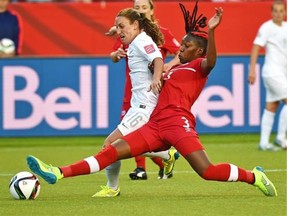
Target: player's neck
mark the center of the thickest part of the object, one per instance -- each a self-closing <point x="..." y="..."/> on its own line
<point x="2" y="10"/>
<point x="278" y="23"/>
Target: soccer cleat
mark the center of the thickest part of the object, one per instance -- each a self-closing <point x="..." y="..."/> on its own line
<point x="268" y="147"/>
<point x="161" y="174"/>
<point x="107" y="192"/>
<point x="263" y="183"/>
<point x="170" y="163"/>
<point x="138" y="173"/>
<point x="49" y="173"/>
<point x="281" y="143"/>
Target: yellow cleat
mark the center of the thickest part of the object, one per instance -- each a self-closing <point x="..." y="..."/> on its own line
<point x="107" y="192"/>
<point x="263" y="183"/>
<point x="170" y="163"/>
<point x="49" y="173"/>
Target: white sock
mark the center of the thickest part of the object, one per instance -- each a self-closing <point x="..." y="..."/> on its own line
<point x="266" y="127"/>
<point x="162" y="154"/>
<point x="282" y="124"/>
<point x="112" y="173"/>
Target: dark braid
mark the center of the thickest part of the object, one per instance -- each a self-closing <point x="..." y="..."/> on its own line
<point x="193" y="24"/>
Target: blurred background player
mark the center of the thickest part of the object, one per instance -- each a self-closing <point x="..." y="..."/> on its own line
<point x="10" y="30"/>
<point x="273" y="36"/>
<point x="170" y="45"/>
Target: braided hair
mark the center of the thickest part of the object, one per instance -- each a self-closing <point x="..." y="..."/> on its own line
<point x="193" y="25"/>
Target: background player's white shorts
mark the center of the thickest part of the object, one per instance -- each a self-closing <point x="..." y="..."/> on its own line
<point x="134" y="119"/>
<point x="276" y="88"/>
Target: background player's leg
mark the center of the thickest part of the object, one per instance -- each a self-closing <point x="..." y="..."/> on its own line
<point x="281" y="138"/>
<point x="140" y="171"/>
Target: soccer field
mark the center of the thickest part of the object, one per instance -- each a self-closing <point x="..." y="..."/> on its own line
<point x="184" y="194"/>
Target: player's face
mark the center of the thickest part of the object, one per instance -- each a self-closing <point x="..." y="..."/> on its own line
<point x="143" y="6"/>
<point x="188" y="50"/>
<point x="126" y="31"/>
<point x="278" y="13"/>
<point x="3" y="5"/>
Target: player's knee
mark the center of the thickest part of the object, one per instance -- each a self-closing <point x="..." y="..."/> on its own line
<point x="106" y="143"/>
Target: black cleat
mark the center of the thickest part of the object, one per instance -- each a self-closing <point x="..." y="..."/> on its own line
<point x="138" y="174"/>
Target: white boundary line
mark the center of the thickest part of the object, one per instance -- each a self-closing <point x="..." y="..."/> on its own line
<point x="174" y="172"/>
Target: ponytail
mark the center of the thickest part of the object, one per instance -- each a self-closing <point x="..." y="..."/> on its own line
<point x="150" y="27"/>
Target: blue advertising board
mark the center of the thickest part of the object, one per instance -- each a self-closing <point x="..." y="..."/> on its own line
<point x="83" y="96"/>
<point x="228" y="104"/>
<point x="60" y="96"/>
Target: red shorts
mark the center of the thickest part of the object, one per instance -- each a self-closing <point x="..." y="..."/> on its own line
<point x="177" y="131"/>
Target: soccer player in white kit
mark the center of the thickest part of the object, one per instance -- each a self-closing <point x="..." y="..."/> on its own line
<point x="133" y="29"/>
<point x="273" y="36"/>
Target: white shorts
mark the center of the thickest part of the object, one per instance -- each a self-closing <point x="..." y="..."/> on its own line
<point x="276" y="88"/>
<point x="134" y="119"/>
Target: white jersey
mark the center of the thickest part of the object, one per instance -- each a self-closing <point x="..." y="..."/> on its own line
<point x="274" y="39"/>
<point x="141" y="52"/>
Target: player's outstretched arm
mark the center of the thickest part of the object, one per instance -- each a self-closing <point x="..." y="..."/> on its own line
<point x="211" y="56"/>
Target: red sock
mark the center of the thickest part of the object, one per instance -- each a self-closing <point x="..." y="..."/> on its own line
<point x="158" y="161"/>
<point x="106" y="157"/>
<point x="228" y="172"/>
<point x="78" y="168"/>
<point x="140" y="161"/>
<point x="92" y="164"/>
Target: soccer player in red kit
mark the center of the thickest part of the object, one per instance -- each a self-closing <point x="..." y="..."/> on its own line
<point x="170" y="45"/>
<point x="171" y="123"/>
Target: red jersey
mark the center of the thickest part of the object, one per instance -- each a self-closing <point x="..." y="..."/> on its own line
<point x="182" y="86"/>
<point x="170" y="45"/>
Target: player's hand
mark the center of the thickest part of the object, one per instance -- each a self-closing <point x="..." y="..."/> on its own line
<point x="112" y="31"/>
<point x="155" y="86"/>
<point x="251" y="78"/>
<point x="120" y="53"/>
<point x="216" y="19"/>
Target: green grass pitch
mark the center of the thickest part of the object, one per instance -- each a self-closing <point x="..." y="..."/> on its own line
<point x="184" y="194"/>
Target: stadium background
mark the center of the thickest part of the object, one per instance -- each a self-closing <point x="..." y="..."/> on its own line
<point x="64" y="83"/>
